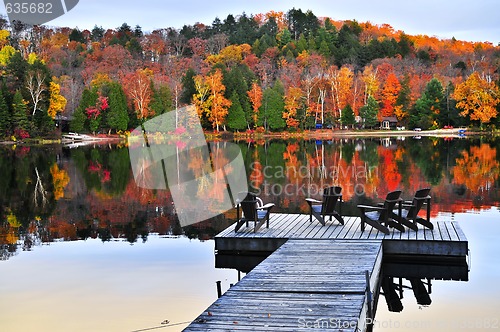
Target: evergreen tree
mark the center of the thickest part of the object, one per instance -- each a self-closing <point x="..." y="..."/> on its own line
<point x="20" y="122"/>
<point x="76" y="35"/>
<point x="273" y="106"/>
<point x="77" y="124"/>
<point x="238" y="81"/>
<point x="4" y="117"/>
<point x="162" y="99"/>
<point x="189" y="88"/>
<point x="117" y="115"/>
<point x="428" y="106"/>
<point x="80" y="120"/>
<point x="369" y="113"/>
<point x="236" y="116"/>
<point x="347" y="118"/>
<point x="43" y="124"/>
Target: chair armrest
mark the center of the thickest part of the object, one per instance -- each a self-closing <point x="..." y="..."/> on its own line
<point x="266" y="207"/>
<point x="371" y="207"/>
<point x="259" y="202"/>
<point x="313" y="201"/>
<point x="407" y="205"/>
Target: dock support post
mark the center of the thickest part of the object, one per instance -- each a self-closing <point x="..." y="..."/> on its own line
<point x="219" y="290"/>
<point x="369" y="300"/>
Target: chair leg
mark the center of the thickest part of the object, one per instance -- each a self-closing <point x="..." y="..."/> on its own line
<point x="377" y="225"/>
<point x="338" y="217"/>
<point x="424" y="222"/>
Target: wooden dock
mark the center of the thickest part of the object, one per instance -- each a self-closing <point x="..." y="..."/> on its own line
<point x="446" y="239"/>
<point x="316" y="277"/>
<point x="304" y="284"/>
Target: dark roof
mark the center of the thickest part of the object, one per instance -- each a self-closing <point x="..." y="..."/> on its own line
<point x="390" y="118"/>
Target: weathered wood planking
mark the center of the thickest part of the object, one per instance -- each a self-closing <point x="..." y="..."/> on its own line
<point x="314" y="284"/>
<point x="446" y="239"/>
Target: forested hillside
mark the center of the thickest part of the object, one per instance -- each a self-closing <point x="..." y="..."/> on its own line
<point x="274" y="71"/>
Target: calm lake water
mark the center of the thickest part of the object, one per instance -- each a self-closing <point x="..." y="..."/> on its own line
<point x="84" y="248"/>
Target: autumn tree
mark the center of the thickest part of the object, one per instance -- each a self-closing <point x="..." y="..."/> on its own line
<point x="389" y="95"/>
<point x="255" y="96"/>
<point x="293" y="102"/>
<point x="403" y="101"/>
<point x="371" y="82"/>
<point x="477" y="98"/>
<point x="137" y="87"/>
<point x="219" y="104"/>
<point x="36" y="86"/>
<point x="57" y="103"/>
<point x="341" y="83"/>
<point x="201" y="97"/>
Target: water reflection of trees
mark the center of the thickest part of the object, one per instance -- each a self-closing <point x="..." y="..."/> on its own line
<point x="53" y="193"/>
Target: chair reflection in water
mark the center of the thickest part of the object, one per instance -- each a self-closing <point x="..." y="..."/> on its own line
<point x="254" y="211"/>
<point x="332" y="196"/>
<point x="393" y="292"/>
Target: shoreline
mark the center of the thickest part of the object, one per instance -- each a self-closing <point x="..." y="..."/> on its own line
<point x="86" y="139"/>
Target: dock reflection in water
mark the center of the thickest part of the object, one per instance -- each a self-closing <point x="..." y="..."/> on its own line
<point x="400" y="275"/>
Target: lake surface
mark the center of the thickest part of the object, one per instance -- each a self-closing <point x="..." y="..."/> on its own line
<point x="84" y="248"/>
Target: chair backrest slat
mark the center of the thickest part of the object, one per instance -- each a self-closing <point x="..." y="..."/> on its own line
<point x="331" y="196"/>
<point x="418" y="202"/>
<point x="390" y="202"/>
<point x="249" y="206"/>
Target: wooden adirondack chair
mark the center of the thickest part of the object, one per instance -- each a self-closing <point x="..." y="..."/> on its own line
<point x="326" y="207"/>
<point x="253" y="210"/>
<point x="377" y="216"/>
<point x="410" y="210"/>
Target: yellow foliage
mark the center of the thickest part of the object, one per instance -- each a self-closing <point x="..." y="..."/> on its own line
<point x="57" y="102"/>
<point x="6" y="53"/>
<point x="99" y="80"/>
<point x="11" y="238"/>
<point x="12" y="220"/>
<point x="60" y="179"/>
<point x="32" y="57"/>
<point x="477" y="98"/>
<point x="4" y="35"/>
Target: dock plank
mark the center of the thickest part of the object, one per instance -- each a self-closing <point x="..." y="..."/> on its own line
<point x="289" y="293"/>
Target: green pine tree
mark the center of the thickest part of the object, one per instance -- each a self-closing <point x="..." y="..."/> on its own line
<point x="117" y="115"/>
<point x="189" y="88"/>
<point x="273" y="106"/>
<point x="80" y="123"/>
<point x="428" y="106"/>
<point x="4" y="117"/>
<point x="236" y="116"/>
<point x="20" y="120"/>
<point x="162" y="100"/>
<point x="348" y="118"/>
<point x="369" y="113"/>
